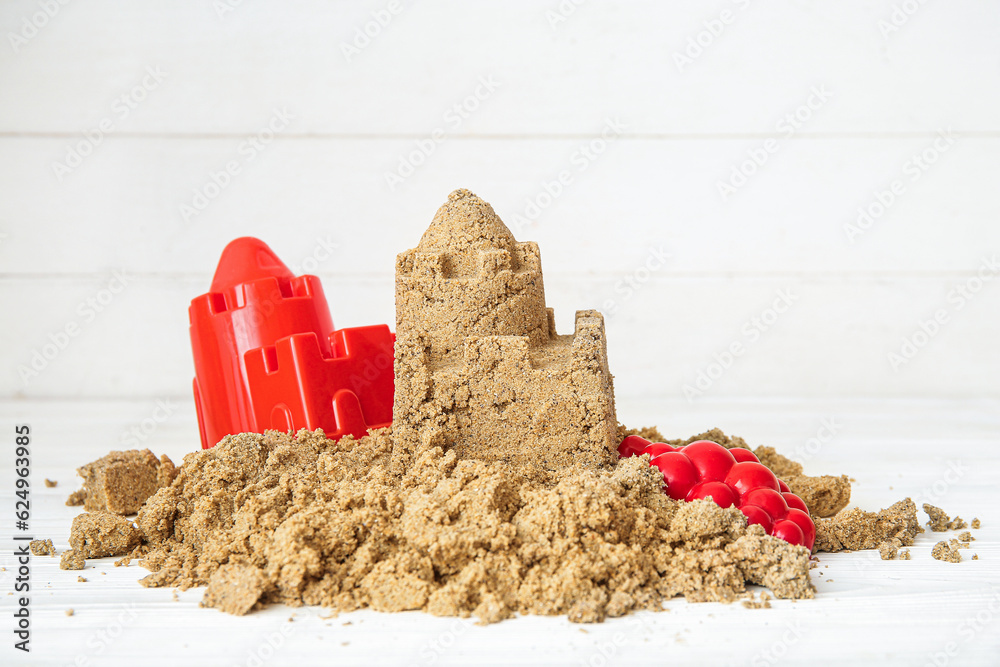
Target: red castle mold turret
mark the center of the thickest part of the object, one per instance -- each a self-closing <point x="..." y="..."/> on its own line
<point x="266" y="354"/>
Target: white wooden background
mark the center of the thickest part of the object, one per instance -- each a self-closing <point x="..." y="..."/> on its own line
<point x="893" y="75"/>
<point x="321" y="181"/>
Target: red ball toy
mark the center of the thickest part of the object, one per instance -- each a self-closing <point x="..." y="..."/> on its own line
<point x="730" y="477"/>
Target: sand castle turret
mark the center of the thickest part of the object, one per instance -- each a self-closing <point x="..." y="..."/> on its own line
<point x="479" y="366"/>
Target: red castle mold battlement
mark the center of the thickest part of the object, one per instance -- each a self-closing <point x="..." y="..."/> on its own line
<point x="266" y="354"/>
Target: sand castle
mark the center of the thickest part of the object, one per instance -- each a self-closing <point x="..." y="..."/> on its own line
<point x="479" y="367"/>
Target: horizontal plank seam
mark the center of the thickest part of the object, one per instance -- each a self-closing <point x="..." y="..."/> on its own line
<point x="642" y="136"/>
<point x="554" y="276"/>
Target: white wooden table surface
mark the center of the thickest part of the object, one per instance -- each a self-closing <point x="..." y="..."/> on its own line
<point x="866" y="610"/>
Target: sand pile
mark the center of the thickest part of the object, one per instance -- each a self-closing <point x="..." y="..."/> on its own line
<point x="302" y="519"/>
<point x="497" y="491"/>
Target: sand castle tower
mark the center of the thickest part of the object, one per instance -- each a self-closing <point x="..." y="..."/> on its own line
<point x="479" y="366"/>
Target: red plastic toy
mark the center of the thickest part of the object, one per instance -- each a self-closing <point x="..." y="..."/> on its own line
<point x="731" y="477"/>
<point x="266" y="354"/>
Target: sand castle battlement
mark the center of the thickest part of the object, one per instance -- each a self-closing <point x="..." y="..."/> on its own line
<point x="479" y="366"/>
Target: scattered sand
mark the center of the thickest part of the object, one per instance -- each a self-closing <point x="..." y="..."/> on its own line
<point x="855" y="529"/>
<point x="78" y="497"/>
<point x="889" y="549"/>
<point x="305" y="520"/>
<point x="42" y="548"/>
<point x="72" y="560"/>
<point x="50" y="484"/>
<point x="939" y="519"/>
<point x="764" y="602"/>
<point x="946" y="552"/>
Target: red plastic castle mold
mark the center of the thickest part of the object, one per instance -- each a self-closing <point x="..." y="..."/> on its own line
<point x="266" y="355"/>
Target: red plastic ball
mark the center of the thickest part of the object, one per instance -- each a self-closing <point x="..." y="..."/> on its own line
<point x="789" y="531"/>
<point x="710" y="459"/>
<point x="805" y="524"/>
<point x="783" y="487"/>
<point x="679" y="474"/>
<point x="718" y="491"/>
<point x="756" y="515"/>
<point x="658" y="448"/>
<point x="632" y="446"/>
<point x="746" y="476"/>
<point x="768" y="500"/>
<point x="795" y="502"/>
<point x="742" y="455"/>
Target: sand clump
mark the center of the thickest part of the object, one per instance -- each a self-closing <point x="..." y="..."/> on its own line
<point x="101" y="534"/>
<point x="856" y="529"/>
<point x="72" y="560"/>
<point x="305" y="520"/>
<point x="889" y="549"/>
<point x="42" y="548"/>
<point x="947" y="552"/>
<point x="122" y="481"/>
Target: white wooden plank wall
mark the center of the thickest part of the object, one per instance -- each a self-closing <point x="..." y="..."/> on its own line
<point x="915" y="107"/>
